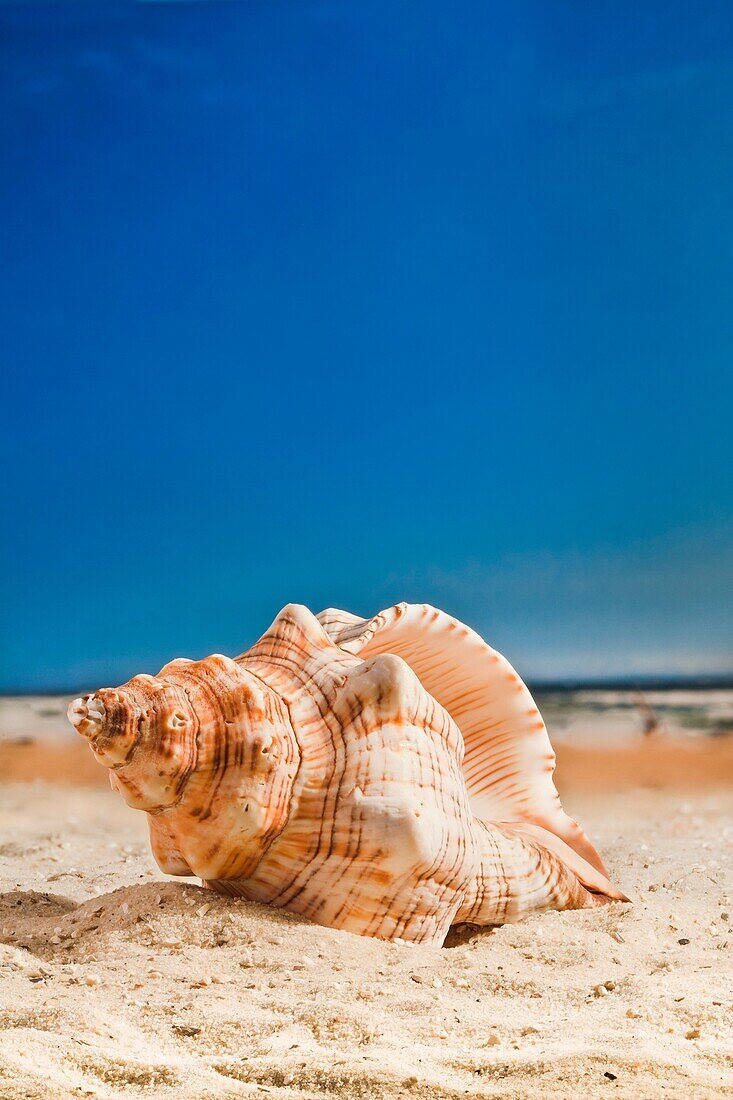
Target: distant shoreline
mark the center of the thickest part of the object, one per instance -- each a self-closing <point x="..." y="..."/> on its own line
<point x="599" y="716"/>
<point x="657" y="763"/>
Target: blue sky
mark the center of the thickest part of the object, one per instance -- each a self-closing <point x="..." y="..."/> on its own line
<point x="348" y="303"/>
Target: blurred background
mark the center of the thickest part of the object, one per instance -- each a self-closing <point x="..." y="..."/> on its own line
<point x="347" y="304"/>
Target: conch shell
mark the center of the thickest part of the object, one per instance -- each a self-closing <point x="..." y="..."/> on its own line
<point x="388" y="776"/>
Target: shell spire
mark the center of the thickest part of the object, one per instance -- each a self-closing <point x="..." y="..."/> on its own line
<point x="388" y="776"/>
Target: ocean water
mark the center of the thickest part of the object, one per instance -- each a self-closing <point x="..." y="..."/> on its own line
<point x="615" y="716"/>
<point x="581" y="717"/>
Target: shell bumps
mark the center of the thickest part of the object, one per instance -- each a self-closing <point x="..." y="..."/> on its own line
<point x="389" y="776"/>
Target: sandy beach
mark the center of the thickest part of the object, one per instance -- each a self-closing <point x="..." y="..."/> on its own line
<point x="117" y="983"/>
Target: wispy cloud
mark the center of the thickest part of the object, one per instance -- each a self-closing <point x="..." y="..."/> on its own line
<point x="655" y="607"/>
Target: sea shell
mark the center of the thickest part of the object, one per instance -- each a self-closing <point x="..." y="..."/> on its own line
<point x="389" y="776"/>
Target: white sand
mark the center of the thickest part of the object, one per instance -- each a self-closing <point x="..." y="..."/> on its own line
<point x="114" y="983"/>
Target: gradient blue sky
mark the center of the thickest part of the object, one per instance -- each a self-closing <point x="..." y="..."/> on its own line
<point x="347" y="303"/>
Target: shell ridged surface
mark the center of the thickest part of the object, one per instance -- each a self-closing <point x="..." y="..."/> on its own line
<point x="389" y="776"/>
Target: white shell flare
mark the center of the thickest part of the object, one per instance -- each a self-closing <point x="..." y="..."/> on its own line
<point x="388" y="776"/>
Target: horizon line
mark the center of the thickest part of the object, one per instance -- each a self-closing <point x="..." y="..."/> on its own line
<point x="649" y="682"/>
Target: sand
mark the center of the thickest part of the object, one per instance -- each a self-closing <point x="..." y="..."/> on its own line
<point x="657" y="764"/>
<point x="115" y="983"/>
